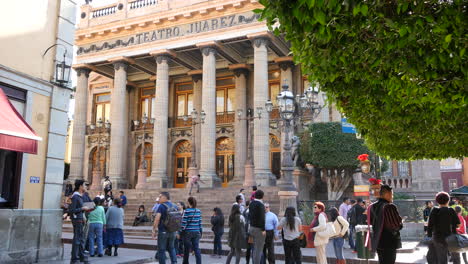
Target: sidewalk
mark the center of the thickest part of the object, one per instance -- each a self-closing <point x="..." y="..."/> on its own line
<point x="148" y="247"/>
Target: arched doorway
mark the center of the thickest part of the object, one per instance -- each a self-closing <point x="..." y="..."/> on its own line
<point x="225" y="160"/>
<point x="275" y="156"/>
<point x="148" y="158"/>
<point x="182" y="163"/>
<point x="94" y="157"/>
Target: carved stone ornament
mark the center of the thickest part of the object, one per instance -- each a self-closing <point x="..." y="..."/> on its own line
<point x="96" y="140"/>
<point x="139" y="138"/>
<point x="207" y="50"/>
<point x="161" y="58"/>
<point x="226" y="131"/>
<point x="84" y="71"/>
<point x="120" y="64"/>
<point x="257" y="42"/>
<point x="177" y="134"/>
<point x="197" y="77"/>
<point x="240" y="71"/>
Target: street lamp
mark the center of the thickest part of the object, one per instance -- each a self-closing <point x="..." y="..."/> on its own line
<point x="142" y="167"/>
<point x="250" y="117"/>
<point x="292" y="109"/>
<point x="195" y="120"/>
<point x="97" y="170"/>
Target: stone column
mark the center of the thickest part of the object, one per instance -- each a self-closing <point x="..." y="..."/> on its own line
<point x="240" y="131"/>
<point x="197" y="104"/>
<point x="263" y="175"/>
<point x="159" y="176"/>
<point x="208" y="129"/>
<point x="119" y="127"/>
<point x="79" y="125"/>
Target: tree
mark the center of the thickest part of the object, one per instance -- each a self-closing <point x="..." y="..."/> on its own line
<point x="334" y="152"/>
<point x="396" y="69"/>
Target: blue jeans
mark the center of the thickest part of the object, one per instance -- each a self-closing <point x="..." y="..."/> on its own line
<point x="352" y="231"/>
<point x="217" y="248"/>
<point x="338" y="246"/>
<point x="191" y="242"/>
<point x="78" y="243"/>
<point x="166" y="242"/>
<point x="95" y="232"/>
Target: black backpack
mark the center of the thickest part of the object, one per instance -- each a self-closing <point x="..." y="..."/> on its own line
<point x="173" y="220"/>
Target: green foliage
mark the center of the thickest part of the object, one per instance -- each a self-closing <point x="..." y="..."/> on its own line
<point x="330" y="148"/>
<point x="396" y="69"/>
<point x="307" y="213"/>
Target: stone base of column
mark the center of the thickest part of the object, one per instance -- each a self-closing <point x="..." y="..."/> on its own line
<point x="286" y="182"/>
<point x="287" y="199"/>
<point x="265" y="178"/>
<point x="97" y="176"/>
<point x="249" y="179"/>
<point x="209" y="180"/>
<point x="303" y="181"/>
<point x="158" y="180"/>
<point x="141" y="184"/>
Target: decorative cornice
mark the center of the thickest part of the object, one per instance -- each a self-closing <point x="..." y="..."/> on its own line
<point x="284" y="65"/>
<point x="207" y="50"/>
<point x="84" y="71"/>
<point x="120" y="64"/>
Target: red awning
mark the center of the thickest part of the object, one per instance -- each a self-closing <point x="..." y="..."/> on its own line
<point x="15" y="133"/>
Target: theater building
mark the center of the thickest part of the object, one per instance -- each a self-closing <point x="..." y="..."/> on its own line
<point x="143" y="66"/>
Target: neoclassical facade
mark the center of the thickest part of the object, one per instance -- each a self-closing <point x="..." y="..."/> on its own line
<point x="144" y="65"/>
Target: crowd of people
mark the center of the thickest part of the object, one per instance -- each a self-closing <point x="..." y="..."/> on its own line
<point x="253" y="227"/>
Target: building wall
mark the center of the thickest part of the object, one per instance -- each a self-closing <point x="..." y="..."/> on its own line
<point x="449" y="175"/>
<point x="32" y="27"/>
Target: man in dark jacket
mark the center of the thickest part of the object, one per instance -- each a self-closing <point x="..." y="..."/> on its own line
<point x="257" y="226"/>
<point x="386" y="225"/>
<point x="76" y="211"/>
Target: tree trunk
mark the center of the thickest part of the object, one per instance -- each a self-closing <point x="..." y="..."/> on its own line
<point x="337" y="182"/>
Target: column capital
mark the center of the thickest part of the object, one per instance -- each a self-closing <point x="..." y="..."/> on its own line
<point x="239" y="69"/>
<point x="161" y="55"/>
<point x="196" y="75"/>
<point x="209" y="49"/>
<point x="120" y="64"/>
<point x="84" y="71"/>
<point x="285" y="62"/>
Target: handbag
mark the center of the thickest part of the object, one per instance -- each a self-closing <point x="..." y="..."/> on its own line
<point x="328" y="232"/>
<point x="457" y="243"/>
<point x="302" y="240"/>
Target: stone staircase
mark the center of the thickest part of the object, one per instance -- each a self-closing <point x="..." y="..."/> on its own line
<point x="207" y="199"/>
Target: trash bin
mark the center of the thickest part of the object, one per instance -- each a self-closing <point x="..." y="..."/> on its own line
<point x="362" y="251"/>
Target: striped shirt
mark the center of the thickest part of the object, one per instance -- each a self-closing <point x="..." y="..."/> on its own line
<point x="192" y="220"/>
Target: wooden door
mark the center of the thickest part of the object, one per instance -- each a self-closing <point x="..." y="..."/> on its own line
<point x="182" y="163"/>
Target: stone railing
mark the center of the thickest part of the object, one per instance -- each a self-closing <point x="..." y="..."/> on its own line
<point x="141" y="3"/>
<point x="125" y="9"/>
<point x="104" y="11"/>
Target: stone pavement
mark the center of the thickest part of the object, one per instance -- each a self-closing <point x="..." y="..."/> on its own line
<point x="413" y="254"/>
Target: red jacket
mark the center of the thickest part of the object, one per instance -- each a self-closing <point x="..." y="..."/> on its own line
<point x="462" y="228"/>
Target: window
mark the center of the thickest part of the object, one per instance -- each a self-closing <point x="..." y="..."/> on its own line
<point x="274" y="86"/>
<point x="225" y="94"/>
<point x="453" y="184"/>
<point x="147" y="102"/>
<point x="102" y="107"/>
<point x="184" y="98"/>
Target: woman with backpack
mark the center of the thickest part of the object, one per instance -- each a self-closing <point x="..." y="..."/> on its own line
<point x="341" y="230"/>
<point x="192" y="229"/>
<point x="237" y="236"/>
<point x="319" y="224"/>
<point x="290" y="225"/>
<point x="217" y="222"/>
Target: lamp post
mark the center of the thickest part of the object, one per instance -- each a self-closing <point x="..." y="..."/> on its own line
<point x="97" y="170"/>
<point x="249" y="165"/>
<point x="142" y="171"/>
<point x="196" y="119"/>
<point x="292" y="109"/>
